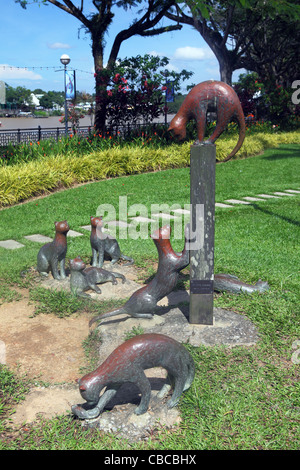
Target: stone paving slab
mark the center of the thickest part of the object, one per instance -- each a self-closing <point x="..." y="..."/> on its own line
<point x="181" y="211"/>
<point x="10" y="244"/>
<point x="279" y="193"/>
<point x="72" y="233"/>
<point x="38" y="238"/>
<point x="268" y="196"/>
<point x="220" y="204"/>
<point x="117" y="223"/>
<point x="237" y="201"/>
<point x="249" y="198"/>
<point x="139" y="218"/>
<point x="87" y="227"/>
<point x="165" y="216"/>
<point x="292" y="191"/>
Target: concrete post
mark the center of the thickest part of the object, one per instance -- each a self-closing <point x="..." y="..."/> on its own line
<point x="202" y="198"/>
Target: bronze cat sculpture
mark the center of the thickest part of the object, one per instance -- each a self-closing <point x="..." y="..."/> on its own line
<point x="83" y="278"/>
<point x="53" y="254"/>
<point x="206" y="96"/>
<point x="104" y="245"/>
<point x="127" y="364"/>
<point x="142" y="303"/>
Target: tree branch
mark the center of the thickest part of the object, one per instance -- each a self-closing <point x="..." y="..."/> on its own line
<point x="140" y="27"/>
<point x="228" y="24"/>
<point x="70" y="8"/>
<point x="164" y="29"/>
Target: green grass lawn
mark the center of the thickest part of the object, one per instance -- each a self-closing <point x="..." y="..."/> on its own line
<point x="244" y="397"/>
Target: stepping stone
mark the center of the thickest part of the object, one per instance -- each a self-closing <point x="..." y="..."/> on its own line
<point x="38" y="238"/>
<point x="139" y="218"/>
<point x="268" y="196"/>
<point x="236" y="201"/>
<point x="72" y="233"/>
<point x="292" y="191"/>
<point x="283" y="194"/>
<point x="164" y="216"/>
<point x="11" y="244"/>
<point x="220" y="204"/>
<point x="181" y="211"/>
<point x="118" y="223"/>
<point x="89" y="228"/>
<point x="249" y="198"/>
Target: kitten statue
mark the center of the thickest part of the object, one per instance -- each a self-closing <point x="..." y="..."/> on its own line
<point x="83" y="278"/>
<point x="54" y="253"/>
<point x="104" y="245"/>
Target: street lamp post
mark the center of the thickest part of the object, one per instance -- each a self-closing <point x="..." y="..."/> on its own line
<point x="65" y="60"/>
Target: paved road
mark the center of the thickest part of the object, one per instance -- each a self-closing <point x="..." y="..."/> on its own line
<point x="50" y="122"/>
<point x="33" y="123"/>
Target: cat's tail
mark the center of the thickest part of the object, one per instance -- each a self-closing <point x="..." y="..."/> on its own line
<point x="242" y="132"/>
<point x="190" y="374"/>
<point x="113" y="313"/>
<point x="127" y="258"/>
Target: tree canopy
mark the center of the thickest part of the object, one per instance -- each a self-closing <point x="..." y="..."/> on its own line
<point x="242" y="33"/>
<point x="255" y="35"/>
<point x="97" y="24"/>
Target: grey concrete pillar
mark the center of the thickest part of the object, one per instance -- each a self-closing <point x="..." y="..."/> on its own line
<point x="202" y="178"/>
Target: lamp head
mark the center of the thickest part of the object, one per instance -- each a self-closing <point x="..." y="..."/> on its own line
<point x="65" y="59"/>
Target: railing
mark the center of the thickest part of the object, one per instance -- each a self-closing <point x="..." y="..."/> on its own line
<point x="16" y="136"/>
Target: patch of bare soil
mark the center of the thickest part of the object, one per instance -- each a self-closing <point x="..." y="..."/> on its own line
<point x="47" y="349"/>
<point x="43" y="347"/>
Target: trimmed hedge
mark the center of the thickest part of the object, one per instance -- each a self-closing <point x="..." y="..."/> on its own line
<point x="22" y="181"/>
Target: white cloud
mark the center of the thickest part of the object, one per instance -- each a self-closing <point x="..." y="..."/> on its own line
<point x="59" y="45"/>
<point x="193" y="53"/>
<point x="156" y="53"/>
<point x="9" y="72"/>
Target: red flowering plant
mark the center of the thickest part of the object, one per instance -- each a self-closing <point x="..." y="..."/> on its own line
<point x="135" y="88"/>
<point x="250" y="91"/>
<point x="266" y="100"/>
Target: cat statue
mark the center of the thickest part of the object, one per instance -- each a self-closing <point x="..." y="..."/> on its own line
<point x="104" y="245"/>
<point x="54" y="253"/>
<point x="83" y="278"/>
<point x="127" y="364"/>
<point x="207" y="96"/>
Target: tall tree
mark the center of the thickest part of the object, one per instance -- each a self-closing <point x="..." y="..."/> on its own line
<point x="232" y="28"/>
<point x="19" y="97"/>
<point x="273" y="51"/>
<point x="97" y="25"/>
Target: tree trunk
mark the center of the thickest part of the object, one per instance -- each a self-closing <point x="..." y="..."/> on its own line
<point x="225" y="70"/>
<point x="101" y="83"/>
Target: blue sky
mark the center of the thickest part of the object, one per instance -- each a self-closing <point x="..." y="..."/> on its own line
<point x="33" y="40"/>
